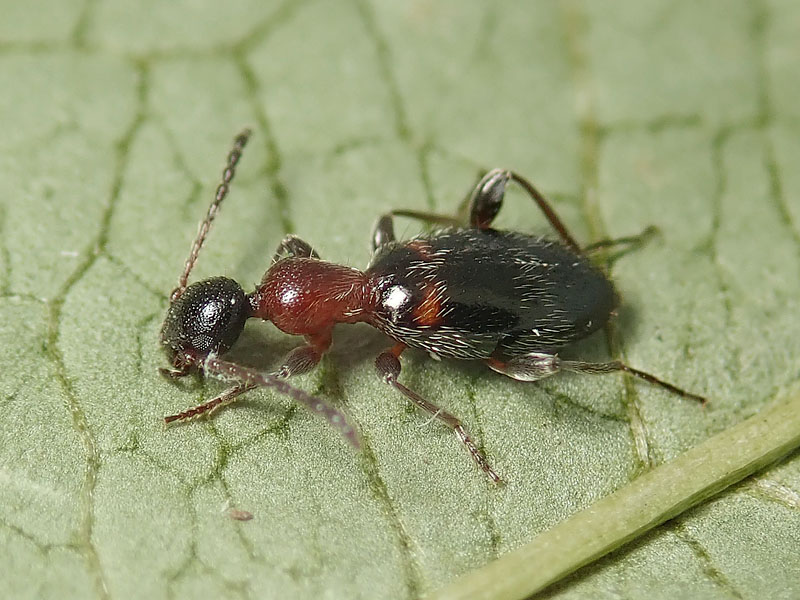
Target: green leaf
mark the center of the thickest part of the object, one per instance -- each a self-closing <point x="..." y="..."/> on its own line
<point x="116" y="118"/>
<point x="650" y="500"/>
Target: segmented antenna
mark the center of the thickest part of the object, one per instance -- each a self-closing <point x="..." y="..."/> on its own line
<point x="249" y="378"/>
<point x="222" y="191"/>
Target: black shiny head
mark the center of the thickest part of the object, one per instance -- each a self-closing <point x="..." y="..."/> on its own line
<point x="207" y="317"/>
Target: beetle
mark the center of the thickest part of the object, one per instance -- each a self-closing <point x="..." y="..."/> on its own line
<point x="467" y="292"/>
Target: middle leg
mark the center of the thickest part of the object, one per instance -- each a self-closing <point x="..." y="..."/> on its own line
<point x="383" y="231"/>
<point x="388" y="367"/>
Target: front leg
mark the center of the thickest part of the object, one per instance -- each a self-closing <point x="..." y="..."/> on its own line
<point x="304" y="358"/>
<point x="300" y="360"/>
<point x="206" y="408"/>
<point x="293" y="246"/>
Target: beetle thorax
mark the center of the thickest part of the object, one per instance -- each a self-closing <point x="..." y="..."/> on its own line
<point x="302" y="296"/>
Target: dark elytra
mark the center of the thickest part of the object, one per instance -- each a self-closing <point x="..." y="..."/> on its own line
<point x="466" y="291"/>
<point x="504" y="294"/>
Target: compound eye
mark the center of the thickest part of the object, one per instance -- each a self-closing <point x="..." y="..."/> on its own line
<point x="208" y="317"/>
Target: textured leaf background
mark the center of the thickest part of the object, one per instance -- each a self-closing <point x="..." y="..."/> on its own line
<point x="116" y="118"/>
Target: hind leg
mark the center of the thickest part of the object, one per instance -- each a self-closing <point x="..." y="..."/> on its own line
<point x="487" y="199"/>
<point x="538" y="365"/>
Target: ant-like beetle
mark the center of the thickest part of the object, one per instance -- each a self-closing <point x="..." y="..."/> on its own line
<point x="509" y="299"/>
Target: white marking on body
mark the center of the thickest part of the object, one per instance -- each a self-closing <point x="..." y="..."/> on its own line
<point x="396" y="298"/>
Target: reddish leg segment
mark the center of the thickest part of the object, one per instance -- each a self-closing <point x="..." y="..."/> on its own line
<point x="388" y="366"/>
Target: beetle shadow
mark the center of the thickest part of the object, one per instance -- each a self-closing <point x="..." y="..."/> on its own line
<point x="626" y="323"/>
<point x="597" y="347"/>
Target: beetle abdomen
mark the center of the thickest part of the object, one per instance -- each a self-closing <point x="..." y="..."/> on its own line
<point x="471" y="293"/>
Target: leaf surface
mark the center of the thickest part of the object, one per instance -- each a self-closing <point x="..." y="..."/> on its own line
<point x="116" y="121"/>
